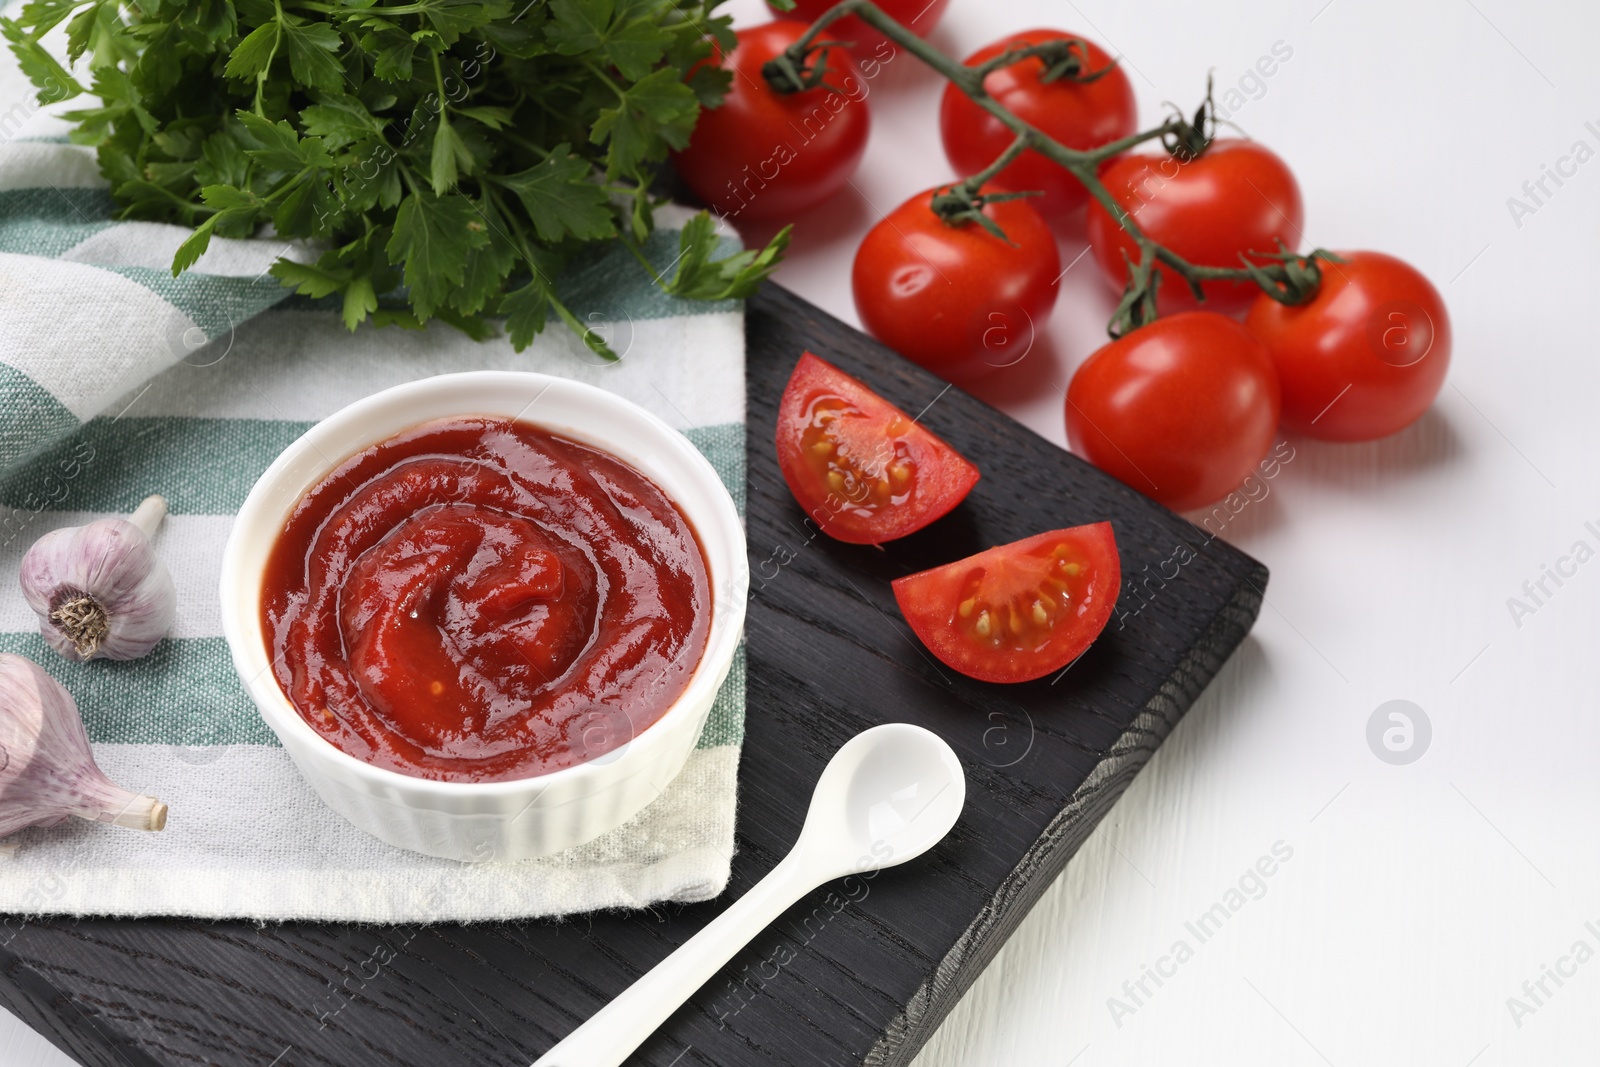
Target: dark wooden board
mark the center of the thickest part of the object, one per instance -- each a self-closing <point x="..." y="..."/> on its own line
<point x="862" y="971"/>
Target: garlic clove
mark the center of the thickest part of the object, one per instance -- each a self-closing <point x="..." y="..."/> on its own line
<point x="47" y="770"/>
<point x="100" y="590"/>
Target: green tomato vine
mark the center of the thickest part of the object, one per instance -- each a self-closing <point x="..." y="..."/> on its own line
<point x="1286" y="276"/>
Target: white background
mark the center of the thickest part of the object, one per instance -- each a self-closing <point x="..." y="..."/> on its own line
<point x="1418" y="898"/>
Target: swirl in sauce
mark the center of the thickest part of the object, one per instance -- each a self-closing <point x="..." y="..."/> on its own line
<point x="480" y="600"/>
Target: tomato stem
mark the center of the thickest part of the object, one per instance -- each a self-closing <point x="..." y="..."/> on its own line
<point x="1067" y="58"/>
<point x="1287" y="277"/>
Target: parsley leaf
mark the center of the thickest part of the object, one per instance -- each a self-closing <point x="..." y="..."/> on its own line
<point x="432" y="236"/>
<point x="254" y="54"/>
<point x="525" y="310"/>
<point x="278" y="147"/>
<point x="450" y="157"/>
<point x="561" y="200"/>
<point x="308" y="280"/>
<point x="43" y="69"/>
<point x="701" y="277"/>
<point x="312" y="48"/>
<point x="339" y="119"/>
<point x="656" y="112"/>
<point x="634" y="45"/>
<point x="230" y="206"/>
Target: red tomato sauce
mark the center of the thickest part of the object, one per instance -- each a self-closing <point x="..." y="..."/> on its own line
<point x="479" y="600"/>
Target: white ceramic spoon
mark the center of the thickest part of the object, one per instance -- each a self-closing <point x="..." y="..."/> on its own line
<point x="887" y="796"/>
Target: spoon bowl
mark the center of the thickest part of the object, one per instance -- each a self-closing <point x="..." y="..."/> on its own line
<point x="887" y="796"/>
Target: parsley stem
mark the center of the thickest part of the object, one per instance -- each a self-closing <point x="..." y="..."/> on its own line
<point x="277" y="39"/>
<point x="438" y="79"/>
<point x="638" y="253"/>
<point x="399" y="9"/>
<point x="603" y="76"/>
<point x="523" y="142"/>
<point x="585" y="333"/>
<point x="286" y="185"/>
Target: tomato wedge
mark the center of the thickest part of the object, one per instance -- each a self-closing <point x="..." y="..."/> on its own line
<point x="1020" y="611"/>
<point x="864" y="470"/>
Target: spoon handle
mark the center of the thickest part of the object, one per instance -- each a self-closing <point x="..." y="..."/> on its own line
<point x="614" y="1031"/>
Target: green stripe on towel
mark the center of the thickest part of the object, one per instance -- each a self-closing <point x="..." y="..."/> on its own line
<point x="29" y="413"/>
<point x="202" y="466"/>
<point x="186" y="692"/>
<point x="48" y="222"/>
<point x="216" y="302"/>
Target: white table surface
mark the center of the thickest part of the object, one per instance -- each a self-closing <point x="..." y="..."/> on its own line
<point x="1417" y="898"/>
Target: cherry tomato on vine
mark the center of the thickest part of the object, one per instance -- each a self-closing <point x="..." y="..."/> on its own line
<point x="863" y="469"/>
<point x="1237" y="196"/>
<point x="919" y="16"/>
<point x="1019" y="611"/>
<point x="1180" y="409"/>
<point x="1080" y="115"/>
<point x="768" y="155"/>
<point x="1365" y="357"/>
<point x="954" y="297"/>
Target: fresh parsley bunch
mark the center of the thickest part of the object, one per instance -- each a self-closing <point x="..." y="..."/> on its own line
<point x="464" y="148"/>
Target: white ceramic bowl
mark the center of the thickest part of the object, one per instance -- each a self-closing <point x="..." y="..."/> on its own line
<point x="491" y="820"/>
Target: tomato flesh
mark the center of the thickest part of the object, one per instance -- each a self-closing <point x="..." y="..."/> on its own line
<point x="864" y="470"/>
<point x="1020" y="611"/>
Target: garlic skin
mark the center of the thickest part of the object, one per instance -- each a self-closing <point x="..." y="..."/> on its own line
<point x="47" y="771"/>
<point x="100" y="590"/>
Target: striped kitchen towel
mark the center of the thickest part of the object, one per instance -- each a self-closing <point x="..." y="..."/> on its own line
<point x="117" y="380"/>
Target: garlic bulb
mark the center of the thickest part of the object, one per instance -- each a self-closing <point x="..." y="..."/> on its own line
<point x="100" y="589"/>
<point x="46" y="769"/>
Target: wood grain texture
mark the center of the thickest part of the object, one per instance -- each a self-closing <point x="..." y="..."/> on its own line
<point x="860" y="972"/>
